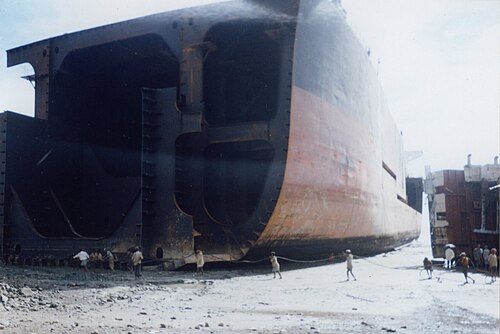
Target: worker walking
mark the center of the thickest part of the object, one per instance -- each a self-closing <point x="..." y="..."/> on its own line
<point x="465" y="261"/>
<point x="348" y="259"/>
<point x="83" y="256"/>
<point x="428" y="267"/>
<point x="137" y="261"/>
<point x="275" y="265"/>
<point x="200" y="262"/>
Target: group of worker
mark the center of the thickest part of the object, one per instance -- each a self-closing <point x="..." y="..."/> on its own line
<point x="464" y="261"/>
<point x="275" y="265"/>
<point x="136" y="257"/>
<point x="96" y="257"/>
<point x="482" y="258"/>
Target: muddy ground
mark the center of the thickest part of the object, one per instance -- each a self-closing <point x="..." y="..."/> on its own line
<point x="392" y="295"/>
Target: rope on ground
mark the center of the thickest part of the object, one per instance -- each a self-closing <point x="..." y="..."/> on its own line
<point x="438" y="277"/>
<point x="238" y="261"/>
<point x="279" y="257"/>
<point x="449" y="271"/>
<point x="328" y="259"/>
<point x="164" y="260"/>
<point x="250" y="261"/>
<point x="378" y="264"/>
<point x="305" y="261"/>
<point x="331" y="258"/>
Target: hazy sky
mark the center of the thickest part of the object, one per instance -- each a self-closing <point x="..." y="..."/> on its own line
<point x="439" y="64"/>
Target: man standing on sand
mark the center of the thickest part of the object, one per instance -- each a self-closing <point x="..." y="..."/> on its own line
<point x="275" y="265"/>
<point x="111" y="259"/>
<point x="428" y="267"/>
<point x="137" y="261"/>
<point x="83" y="256"/>
<point x="493" y="263"/>
<point x="200" y="262"/>
<point x="348" y="258"/>
<point x="486" y="254"/>
<point x="477" y="256"/>
<point x="464" y="261"/>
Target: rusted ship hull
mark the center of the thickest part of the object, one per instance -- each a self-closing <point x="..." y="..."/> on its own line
<point x="235" y="128"/>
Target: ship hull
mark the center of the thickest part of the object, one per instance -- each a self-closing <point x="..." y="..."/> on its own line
<point x="237" y="128"/>
<point x="327" y="204"/>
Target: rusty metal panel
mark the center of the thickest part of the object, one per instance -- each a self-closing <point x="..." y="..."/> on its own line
<point x="335" y="187"/>
<point x="469" y="215"/>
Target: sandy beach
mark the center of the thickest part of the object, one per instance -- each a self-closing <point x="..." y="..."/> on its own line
<point x="391" y="294"/>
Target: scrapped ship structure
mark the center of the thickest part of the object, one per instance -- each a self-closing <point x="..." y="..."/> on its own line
<point x="464" y="207"/>
<point x="236" y="128"/>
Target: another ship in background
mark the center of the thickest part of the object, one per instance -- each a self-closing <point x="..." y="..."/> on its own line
<point x="464" y="207"/>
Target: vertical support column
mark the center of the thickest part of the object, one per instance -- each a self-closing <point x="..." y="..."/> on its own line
<point x="165" y="229"/>
<point x="3" y="155"/>
<point x="42" y="85"/>
<point x="191" y="87"/>
<point x="194" y="51"/>
<point x="191" y="76"/>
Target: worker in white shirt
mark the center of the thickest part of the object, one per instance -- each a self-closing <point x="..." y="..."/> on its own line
<point x="275" y="265"/>
<point x="83" y="256"/>
<point x="348" y="259"/>
<point x="200" y="262"/>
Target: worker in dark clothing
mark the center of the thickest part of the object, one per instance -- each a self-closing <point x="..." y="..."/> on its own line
<point x="428" y="267"/>
<point x="477" y="256"/>
<point x="465" y="261"/>
<point x="486" y="254"/>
